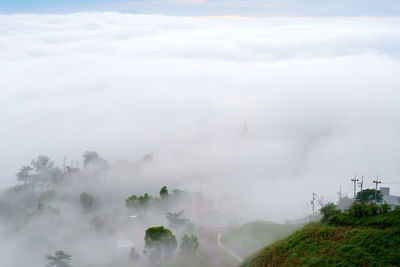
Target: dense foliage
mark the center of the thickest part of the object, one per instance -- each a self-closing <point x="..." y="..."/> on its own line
<point x="326" y="245"/>
<point x="363" y="214"/>
<point x="364" y="235"/>
<point x="138" y="201"/>
<point x="161" y="243"/>
<point x="369" y="196"/>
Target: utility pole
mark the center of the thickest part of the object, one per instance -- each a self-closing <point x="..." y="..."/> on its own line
<point x="361" y="183"/>
<point x="313" y="203"/>
<point x="64" y="165"/>
<point x="355" y="180"/>
<point x="340" y="192"/>
<point x="376" y="182"/>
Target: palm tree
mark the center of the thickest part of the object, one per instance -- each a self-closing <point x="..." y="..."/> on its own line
<point x="23" y="173"/>
<point x="59" y="259"/>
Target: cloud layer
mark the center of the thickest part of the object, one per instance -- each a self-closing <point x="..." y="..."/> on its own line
<point x="319" y="97"/>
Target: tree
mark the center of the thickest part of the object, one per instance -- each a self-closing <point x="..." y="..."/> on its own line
<point x="161" y="243"/>
<point x="42" y="163"/>
<point x="140" y="202"/>
<point x="59" y="259"/>
<point x="368" y="195"/>
<point x="86" y="200"/>
<point x="24" y="173"/>
<point x="92" y="159"/>
<point x="164" y="192"/>
<point x="189" y="245"/>
<point x="45" y="171"/>
<point x="175" y="220"/>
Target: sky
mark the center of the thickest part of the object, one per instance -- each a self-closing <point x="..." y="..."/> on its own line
<point x="319" y="97"/>
<point x="211" y="7"/>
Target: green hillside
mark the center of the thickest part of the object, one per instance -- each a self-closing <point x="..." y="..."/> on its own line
<point x="344" y="239"/>
<point x="253" y="236"/>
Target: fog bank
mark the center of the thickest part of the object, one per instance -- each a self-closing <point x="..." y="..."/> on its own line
<point x="259" y="111"/>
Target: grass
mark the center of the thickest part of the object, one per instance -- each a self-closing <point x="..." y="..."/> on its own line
<point x="342" y="241"/>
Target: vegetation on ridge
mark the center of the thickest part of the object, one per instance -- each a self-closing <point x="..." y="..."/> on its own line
<point x="363" y="235"/>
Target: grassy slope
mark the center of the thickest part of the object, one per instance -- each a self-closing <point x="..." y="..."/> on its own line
<point x="371" y="241"/>
<point x="255" y="235"/>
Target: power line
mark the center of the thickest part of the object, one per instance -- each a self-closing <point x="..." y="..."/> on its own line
<point x="391" y="183"/>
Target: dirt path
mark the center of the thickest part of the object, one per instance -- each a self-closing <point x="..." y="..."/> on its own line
<point x="217" y="255"/>
<point x="239" y="259"/>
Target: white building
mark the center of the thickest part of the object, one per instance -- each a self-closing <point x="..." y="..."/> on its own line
<point x="392" y="200"/>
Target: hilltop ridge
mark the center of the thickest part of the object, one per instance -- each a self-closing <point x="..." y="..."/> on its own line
<point x="340" y="239"/>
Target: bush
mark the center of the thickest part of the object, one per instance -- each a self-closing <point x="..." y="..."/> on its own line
<point x="385" y="208"/>
<point x="364" y="214"/>
<point x="328" y="211"/>
<point x="363" y="209"/>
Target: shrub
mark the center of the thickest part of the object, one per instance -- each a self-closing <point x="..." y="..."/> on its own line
<point x="363" y="209"/>
<point x="385" y="208"/>
<point x="328" y="211"/>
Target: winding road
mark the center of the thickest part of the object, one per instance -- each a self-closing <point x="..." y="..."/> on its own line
<point x="239" y="259"/>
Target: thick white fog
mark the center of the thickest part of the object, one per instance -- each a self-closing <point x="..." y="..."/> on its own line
<point x="318" y="98"/>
